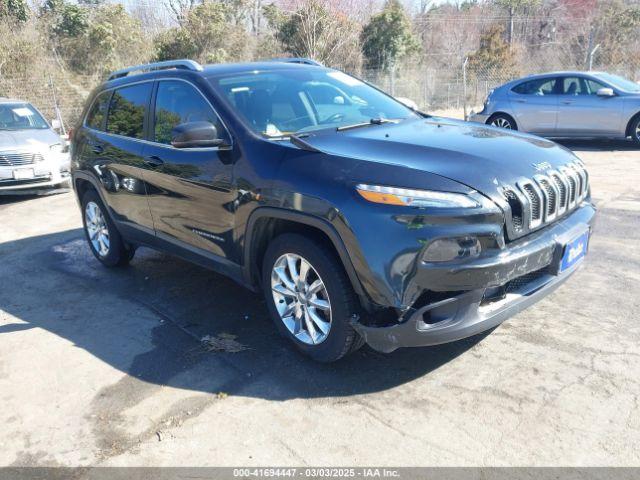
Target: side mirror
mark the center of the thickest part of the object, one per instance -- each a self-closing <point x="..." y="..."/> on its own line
<point x="195" y="135"/>
<point x="55" y="124"/>
<point x="606" y="92"/>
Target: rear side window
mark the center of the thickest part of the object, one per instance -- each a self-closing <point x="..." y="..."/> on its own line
<point x="127" y="110"/>
<point x="98" y="112"/>
<point x="178" y="102"/>
<point x="540" y="86"/>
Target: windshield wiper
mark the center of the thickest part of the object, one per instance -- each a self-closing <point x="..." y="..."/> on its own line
<point x="373" y="121"/>
<point x="297" y="141"/>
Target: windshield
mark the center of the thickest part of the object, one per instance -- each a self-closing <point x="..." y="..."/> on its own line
<point x="20" y="116"/>
<point x="620" y="82"/>
<point x="279" y="103"/>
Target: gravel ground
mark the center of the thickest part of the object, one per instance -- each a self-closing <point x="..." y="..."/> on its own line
<point x="103" y="367"/>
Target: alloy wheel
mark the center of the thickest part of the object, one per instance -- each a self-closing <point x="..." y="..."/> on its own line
<point x="501" y="122"/>
<point x="301" y="298"/>
<point x="638" y="131"/>
<point x="97" y="228"/>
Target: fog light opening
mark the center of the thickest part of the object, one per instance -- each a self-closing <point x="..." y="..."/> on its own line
<point x="448" y="249"/>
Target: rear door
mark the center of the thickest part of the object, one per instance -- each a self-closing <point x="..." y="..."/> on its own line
<point x="583" y="113"/>
<point x="115" y="129"/>
<point x="535" y="105"/>
<point x="190" y="190"/>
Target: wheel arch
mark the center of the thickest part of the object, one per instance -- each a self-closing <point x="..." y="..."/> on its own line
<point x="502" y="112"/>
<point x="632" y="120"/>
<point x="82" y="185"/>
<point x="266" y="223"/>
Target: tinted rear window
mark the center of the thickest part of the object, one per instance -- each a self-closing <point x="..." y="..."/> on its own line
<point x="95" y="117"/>
<point x="540" y="86"/>
<point x="127" y="110"/>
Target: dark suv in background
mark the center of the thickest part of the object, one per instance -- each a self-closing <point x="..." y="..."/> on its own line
<point x="360" y="219"/>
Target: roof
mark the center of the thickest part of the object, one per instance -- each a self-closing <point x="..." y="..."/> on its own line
<point x="560" y="72"/>
<point x="230" y="68"/>
<point x="151" y="70"/>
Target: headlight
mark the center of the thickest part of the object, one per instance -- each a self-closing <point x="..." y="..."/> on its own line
<point x="415" y="198"/>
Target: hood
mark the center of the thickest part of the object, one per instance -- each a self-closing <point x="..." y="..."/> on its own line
<point x="481" y="157"/>
<point x="28" y="139"/>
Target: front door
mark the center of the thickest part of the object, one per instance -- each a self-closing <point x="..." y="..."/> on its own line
<point x="582" y="112"/>
<point x="190" y="190"/>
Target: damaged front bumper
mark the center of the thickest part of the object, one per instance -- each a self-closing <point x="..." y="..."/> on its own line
<point x="484" y="292"/>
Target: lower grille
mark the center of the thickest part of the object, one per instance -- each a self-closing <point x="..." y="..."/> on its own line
<point x="14" y="183"/>
<point x="516" y="285"/>
<point x="10" y="159"/>
<point x="519" y="283"/>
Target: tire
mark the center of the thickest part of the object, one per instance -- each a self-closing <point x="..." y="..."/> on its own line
<point x="634" y="130"/>
<point x="502" y="120"/>
<point x="292" y="310"/>
<point x="116" y="252"/>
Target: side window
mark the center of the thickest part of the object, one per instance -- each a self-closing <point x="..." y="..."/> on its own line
<point x="540" y="86"/>
<point x="580" y="86"/>
<point x="594" y="86"/>
<point x="178" y="102"/>
<point x="95" y="117"/>
<point x="127" y="110"/>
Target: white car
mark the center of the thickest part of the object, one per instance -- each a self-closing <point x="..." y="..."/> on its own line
<point x="32" y="154"/>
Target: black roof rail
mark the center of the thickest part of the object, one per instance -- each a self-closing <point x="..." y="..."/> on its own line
<point x="305" y="61"/>
<point x="149" y="67"/>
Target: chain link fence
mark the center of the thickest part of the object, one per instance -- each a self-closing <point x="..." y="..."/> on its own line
<point x="60" y="94"/>
<point x="461" y="88"/>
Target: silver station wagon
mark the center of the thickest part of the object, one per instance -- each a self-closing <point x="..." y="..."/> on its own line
<point x="32" y="154"/>
<point x="566" y="105"/>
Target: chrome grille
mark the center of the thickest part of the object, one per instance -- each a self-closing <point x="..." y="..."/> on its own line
<point x="563" y="190"/>
<point x="535" y="201"/>
<point x="517" y="218"/>
<point x="550" y="200"/>
<point x="542" y="199"/>
<point x="9" y="159"/>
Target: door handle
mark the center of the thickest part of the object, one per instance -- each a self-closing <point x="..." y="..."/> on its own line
<point x="521" y="101"/>
<point x="97" y="148"/>
<point x="567" y="102"/>
<point x="153" y="161"/>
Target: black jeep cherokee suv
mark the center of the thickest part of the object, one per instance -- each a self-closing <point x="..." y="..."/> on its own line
<point x="360" y="219"/>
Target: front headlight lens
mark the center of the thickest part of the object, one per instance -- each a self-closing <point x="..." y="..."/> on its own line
<point x="414" y="198"/>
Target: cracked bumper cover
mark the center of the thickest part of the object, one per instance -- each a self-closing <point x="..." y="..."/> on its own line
<point x="464" y="314"/>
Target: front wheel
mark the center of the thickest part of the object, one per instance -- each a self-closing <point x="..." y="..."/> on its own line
<point x="502" y="120"/>
<point x="635" y="130"/>
<point x="310" y="297"/>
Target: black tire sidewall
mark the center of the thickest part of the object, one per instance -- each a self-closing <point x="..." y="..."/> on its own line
<point x="634" y="128"/>
<point x="118" y="254"/>
<point x="506" y="117"/>
<point x="341" y="296"/>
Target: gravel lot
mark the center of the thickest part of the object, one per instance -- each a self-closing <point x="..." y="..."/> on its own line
<point x="103" y="367"/>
